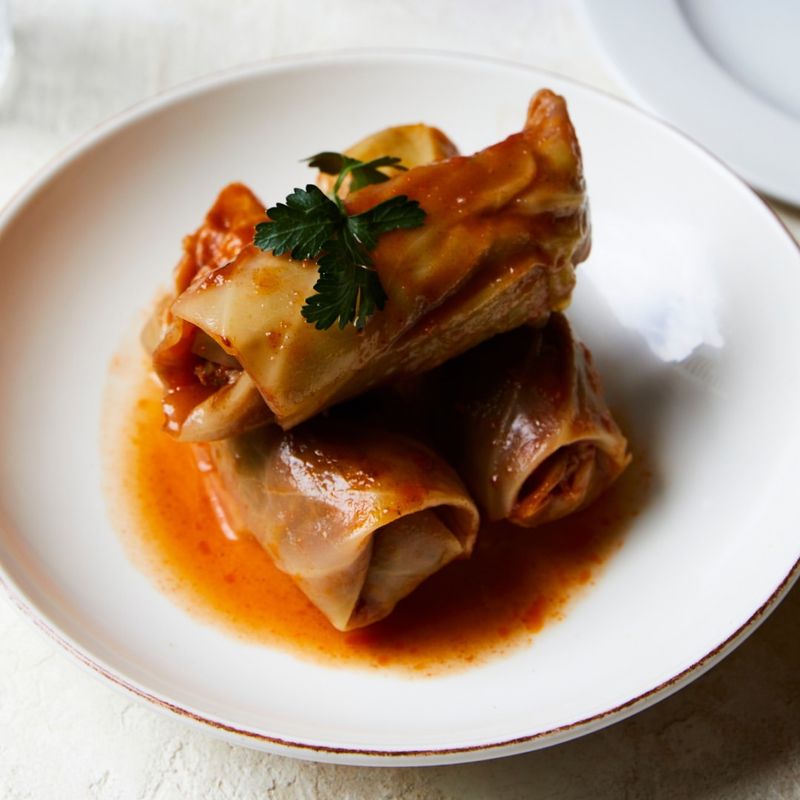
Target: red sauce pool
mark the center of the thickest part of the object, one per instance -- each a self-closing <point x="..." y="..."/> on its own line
<point x="516" y="582"/>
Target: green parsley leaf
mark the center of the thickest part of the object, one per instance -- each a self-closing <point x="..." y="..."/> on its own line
<point x="311" y="225"/>
<point x="347" y="290"/>
<point x="301" y="226"/>
<point x="329" y="162"/>
<point x="362" y="173"/>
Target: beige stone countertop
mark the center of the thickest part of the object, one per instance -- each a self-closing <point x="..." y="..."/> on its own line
<point x="733" y="733"/>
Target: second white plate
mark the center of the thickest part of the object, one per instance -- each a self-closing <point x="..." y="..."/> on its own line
<point x="723" y="71"/>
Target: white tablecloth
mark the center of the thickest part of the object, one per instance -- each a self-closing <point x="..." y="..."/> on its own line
<point x="734" y="733"/>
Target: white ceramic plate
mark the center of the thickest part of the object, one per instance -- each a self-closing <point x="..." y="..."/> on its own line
<point x="724" y="71"/>
<point x="688" y="300"/>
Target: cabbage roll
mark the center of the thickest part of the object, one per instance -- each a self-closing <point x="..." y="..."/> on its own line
<point x="357" y="515"/>
<point x="528" y="427"/>
<point x="207" y="395"/>
<point x="503" y="233"/>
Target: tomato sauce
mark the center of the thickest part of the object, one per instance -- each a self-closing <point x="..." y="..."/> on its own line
<point x="516" y="582"/>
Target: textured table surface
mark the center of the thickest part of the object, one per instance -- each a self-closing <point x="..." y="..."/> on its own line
<point x="734" y="733"/>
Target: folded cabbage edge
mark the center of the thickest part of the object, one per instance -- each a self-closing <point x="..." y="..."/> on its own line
<point x="198" y="406"/>
<point x="357" y="516"/>
<point x="504" y="231"/>
<point x="528" y="427"/>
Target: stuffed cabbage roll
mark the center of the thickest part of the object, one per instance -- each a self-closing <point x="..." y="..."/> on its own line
<point x="206" y="393"/>
<point x="528" y="426"/>
<point x="358" y="516"/>
<point x="503" y="232"/>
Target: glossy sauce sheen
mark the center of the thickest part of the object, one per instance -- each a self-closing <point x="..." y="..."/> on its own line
<point x="516" y="582"/>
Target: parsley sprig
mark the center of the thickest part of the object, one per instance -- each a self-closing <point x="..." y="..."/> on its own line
<point x="362" y="173"/>
<point x="311" y="225"/>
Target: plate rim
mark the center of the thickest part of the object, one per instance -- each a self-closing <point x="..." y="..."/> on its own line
<point x="408" y="757"/>
<point x="347" y="754"/>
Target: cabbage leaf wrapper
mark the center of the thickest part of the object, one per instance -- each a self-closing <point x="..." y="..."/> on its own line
<point x="504" y="231"/>
<point x="528" y="427"/>
<point x="207" y="395"/>
<point x="358" y="516"/>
